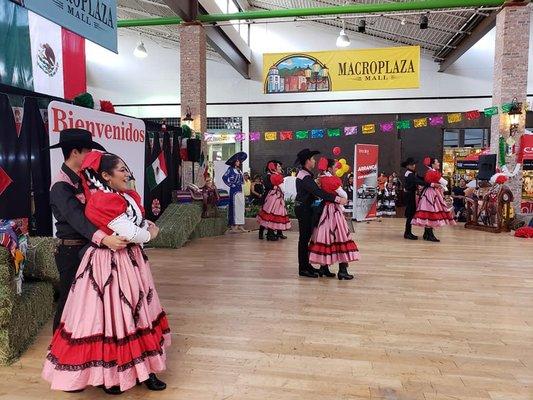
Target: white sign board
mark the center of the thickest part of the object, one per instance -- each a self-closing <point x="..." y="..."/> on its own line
<point x="123" y="136"/>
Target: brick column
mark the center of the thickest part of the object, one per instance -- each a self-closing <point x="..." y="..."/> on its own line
<point x="193" y="79"/>
<point x="510" y="80"/>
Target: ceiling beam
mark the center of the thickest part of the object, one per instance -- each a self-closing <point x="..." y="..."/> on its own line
<point x="186" y="9"/>
<point x="224" y="46"/>
<point x="484" y="27"/>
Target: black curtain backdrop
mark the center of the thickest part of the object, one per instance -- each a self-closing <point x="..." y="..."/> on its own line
<point x="34" y="130"/>
<point x="14" y="160"/>
<point x="176" y="159"/>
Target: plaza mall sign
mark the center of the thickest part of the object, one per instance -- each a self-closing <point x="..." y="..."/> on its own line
<point x="95" y="20"/>
<point x="323" y="71"/>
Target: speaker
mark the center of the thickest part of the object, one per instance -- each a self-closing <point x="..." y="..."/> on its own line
<point x="194" y="149"/>
<point x="486" y="167"/>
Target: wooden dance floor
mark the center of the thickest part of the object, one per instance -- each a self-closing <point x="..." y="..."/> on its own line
<point x="422" y="321"/>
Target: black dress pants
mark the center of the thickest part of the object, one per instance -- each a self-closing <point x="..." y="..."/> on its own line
<point x="67" y="261"/>
<point x="305" y="226"/>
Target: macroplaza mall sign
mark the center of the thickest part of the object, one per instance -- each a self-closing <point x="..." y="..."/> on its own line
<point x="95" y="20"/>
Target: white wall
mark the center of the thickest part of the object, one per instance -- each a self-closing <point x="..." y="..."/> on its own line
<point x="124" y="79"/>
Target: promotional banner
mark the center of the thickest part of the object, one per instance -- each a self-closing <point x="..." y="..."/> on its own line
<point x="326" y="71"/>
<point x="95" y="20"/>
<point x="365" y="193"/>
<point x="120" y="135"/>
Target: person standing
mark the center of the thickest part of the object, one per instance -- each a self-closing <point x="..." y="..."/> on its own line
<point x="307" y="191"/>
<point x="431" y="210"/>
<point x="273" y="214"/>
<point x="234" y="179"/>
<point x="257" y="190"/>
<point x="412" y="181"/>
<point x="331" y="242"/>
<point x="247" y="185"/>
<point x="67" y="200"/>
<point x="458" y="196"/>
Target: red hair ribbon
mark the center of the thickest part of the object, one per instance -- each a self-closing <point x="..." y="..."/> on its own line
<point x="271" y="166"/>
<point x="427" y="161"/>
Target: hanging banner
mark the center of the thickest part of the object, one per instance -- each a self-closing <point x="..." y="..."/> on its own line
<point x="123" y="136"/>
<point x="386" y="126"/>
<point x="365" y="181"/>
<point x="271" y="136"/>
<point x="334" y="132"/>
<point x="368" y="129"/>
<point x="326" y="71"/>
<point x="350" y="130"/>
<point x="302" y="135"/>
<point x="285" y="135"/>
<point x="317" y="133"/>
<point x="95" y="20"/>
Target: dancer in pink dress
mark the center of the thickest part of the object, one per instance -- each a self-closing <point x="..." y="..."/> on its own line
<point x="113" y="331"/>
<point x="432" y="211"/>
<point x="331" y="242"/>
<point x="273" y="215"/>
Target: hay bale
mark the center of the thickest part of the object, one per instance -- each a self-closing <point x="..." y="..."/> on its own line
<point x="177" y="224"/>
<point x="7" y="285"/>
<point x="41" y="263"/>
<point x="30" y="312"/>
<point x="209" y="227"/>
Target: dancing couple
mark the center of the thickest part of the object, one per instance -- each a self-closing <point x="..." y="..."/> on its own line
<point x="324" y="235"/>
<point x="429" y="209"/>
<point x="110" y="330"/>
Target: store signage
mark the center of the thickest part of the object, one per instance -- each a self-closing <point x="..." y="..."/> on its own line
<point x="467" y="164"/>
<point x="323" y="71"/>
<point x="365" y="193"/>
<point x="118" y="134"/>
<point x="95" y="20"/>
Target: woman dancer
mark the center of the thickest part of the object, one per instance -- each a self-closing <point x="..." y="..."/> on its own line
<point x="234" y="179"/>
<point x="331" y="242"/>
<point x="432" y="211"/>
<point x="273" y="215"/>
<point x="113" y="331"/>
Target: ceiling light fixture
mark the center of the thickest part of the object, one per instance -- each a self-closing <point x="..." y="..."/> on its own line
<point x="343" y="40"/>
<point x="140" y="50"/>
<point x="361" y="26"/>
<point x="424" y="20"/>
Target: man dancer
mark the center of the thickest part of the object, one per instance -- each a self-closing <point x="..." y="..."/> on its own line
<point x="307" y="192"/>
<point x="412" y="181"/>
<point x="67" y="201"/>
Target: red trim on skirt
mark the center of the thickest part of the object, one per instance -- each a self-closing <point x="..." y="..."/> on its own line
<point x="333" y="248"/>
<point x="267" y="217"/>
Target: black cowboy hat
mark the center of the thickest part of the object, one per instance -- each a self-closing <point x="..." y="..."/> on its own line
<point x="409" y="161"/>
<point x="305" y="155"/>
<point x="77" y="138"/>
<point x="241" y="156"/>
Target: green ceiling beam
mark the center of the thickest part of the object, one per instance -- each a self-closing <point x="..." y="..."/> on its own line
<point x="418" y="5"/>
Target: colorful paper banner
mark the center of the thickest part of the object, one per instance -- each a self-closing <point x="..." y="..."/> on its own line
<point x="302" y="135"/>
<point x="455" y="117"/>
<point x="490" y="111"/>
<point x="240" y="136"/>
<point x="506" y="107"/>
<point x="317" y="133"/>
<point x="285" y="135"/>
<point x="403" y="124"/>
<point x="472" y="115"/>
<point x="350" y="130"/>
<point x="269" y="136"/>
<point x="420" y="122"/>
<point x="386" y="126"/>
<point x="336" y="132"/>
<point x="368" y="129"/>
<point x="436" y="120"/>
<point x="255" y="136"/>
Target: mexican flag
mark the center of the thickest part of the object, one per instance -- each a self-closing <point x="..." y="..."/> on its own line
<point x="157" y="172"/>
<point x="39" y="55"/>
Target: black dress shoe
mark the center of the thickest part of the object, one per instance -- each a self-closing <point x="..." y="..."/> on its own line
<point x="432" y="238"/>
<point x="281" y="236"/>
<point x="114" y="390"/>
<point x="410" y="236"/>
<point x="153" y="383"/>
<point x="272" y="238"/>
<point x="324" y="271"/>
<point x="343" y="272"/>
<point x="312" y="269"/>
<point x="74" y="391"/>
<point x="308" y="274"/>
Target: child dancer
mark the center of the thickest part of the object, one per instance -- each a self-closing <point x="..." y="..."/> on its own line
<point x="331" y="242"/>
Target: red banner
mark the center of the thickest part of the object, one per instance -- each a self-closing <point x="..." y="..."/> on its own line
<point x="365" y="181"/>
